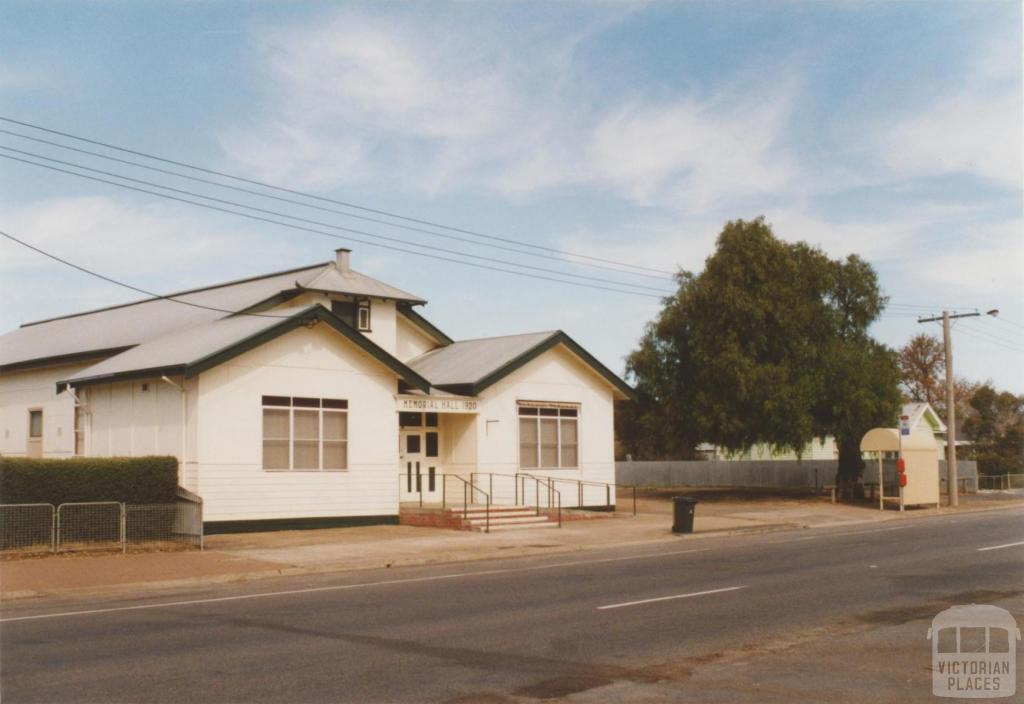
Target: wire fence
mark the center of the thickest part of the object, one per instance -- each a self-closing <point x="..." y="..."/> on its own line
<point x="27" y="528"/>
<point x="106" y="525"/>
<point x="1000" y="482"/>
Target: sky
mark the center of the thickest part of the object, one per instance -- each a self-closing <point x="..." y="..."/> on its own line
<point x="628" y="132"/>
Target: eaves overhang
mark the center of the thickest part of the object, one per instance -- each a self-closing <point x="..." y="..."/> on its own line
<point x="557" y="338"/>
<point x="307" y="317"/>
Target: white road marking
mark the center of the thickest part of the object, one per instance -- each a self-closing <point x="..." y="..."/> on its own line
<point x="667" y="598"/>
<point x="344" y="587"/>
<point x="1000" y="547"/>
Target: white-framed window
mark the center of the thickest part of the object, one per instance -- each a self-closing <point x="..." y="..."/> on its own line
<point x="548" y="436"/>
<point x="305" y="434"/>
<point x="363" y="316"/>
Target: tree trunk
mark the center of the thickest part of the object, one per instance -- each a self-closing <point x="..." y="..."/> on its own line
<point x="851" y="466"/>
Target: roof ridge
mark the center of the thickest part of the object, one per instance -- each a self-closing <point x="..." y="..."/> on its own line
<point x="500" y="337"/>
<point x="175" y="294"/>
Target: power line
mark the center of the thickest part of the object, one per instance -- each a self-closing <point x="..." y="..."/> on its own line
<point x="299" y="203"/>
<point x="327" y="224"/>
<point x="993" y="336"/>
<point x="978" y="335"/>
<point x="108" y="279"/>
<point x="331" y="234"/>
<point x="283" y="189"/>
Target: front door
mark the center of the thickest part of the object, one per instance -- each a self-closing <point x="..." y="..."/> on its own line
<point x="419" y="462"/>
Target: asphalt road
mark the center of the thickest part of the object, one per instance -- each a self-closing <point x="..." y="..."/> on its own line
<point x="768" y="617"/>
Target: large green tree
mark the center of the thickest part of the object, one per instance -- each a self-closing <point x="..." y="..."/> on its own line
<point x="996" y="431"/>
<point x="768" y="344"/>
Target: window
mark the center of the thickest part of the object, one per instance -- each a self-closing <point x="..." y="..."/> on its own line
<point x="431" y="443"/>
<point x="412" y="419"/>
<point x="548" y="436"/>
<point x="407" y="419"/>
<point x="305" y="434"/>
<point x="346" y="310"/>
<point x="35" y="424"/>
<point x="363" y="316"/>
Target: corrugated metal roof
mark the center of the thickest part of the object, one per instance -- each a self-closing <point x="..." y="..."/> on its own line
<point x="469" y="361"/>
<point x="135" y="323"/>
<point x="333" y="279"/>
<point x="195" y="349"/>
<point x="182" y="347"/>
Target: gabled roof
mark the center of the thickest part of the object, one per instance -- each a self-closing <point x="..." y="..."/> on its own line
<point x="193" y="351"/>
<point x="106" y="331"/>
<point x="470" y="366"/>
<point x="919" y="411"/>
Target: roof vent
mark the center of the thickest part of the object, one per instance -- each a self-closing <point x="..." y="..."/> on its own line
<point x="341" y="259"/>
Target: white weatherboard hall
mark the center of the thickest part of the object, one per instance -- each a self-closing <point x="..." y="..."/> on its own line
<point x="303" y="395"/>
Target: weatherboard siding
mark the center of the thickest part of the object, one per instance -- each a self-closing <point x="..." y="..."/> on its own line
<point x="558" y="376"/>
<point x="316" y="363"/>
<point x="133" y="418"/>
<point x="410" y="342"/>
<point x="21" y="391"/>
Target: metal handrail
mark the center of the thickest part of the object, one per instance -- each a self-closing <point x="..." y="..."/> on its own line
<point x="468" y="494"/>
<point x="580" y="483"/>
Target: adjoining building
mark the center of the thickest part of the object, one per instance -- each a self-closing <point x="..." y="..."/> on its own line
<point x="920" y="415"/>
<point x="302" y="395"/>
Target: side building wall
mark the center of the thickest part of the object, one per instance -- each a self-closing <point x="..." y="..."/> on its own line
<point x="316" y="363"/>
<point x="22" y="391"/>
<point x="555" y="376"/>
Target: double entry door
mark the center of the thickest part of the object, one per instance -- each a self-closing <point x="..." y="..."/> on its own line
<point x="418" y="455"/>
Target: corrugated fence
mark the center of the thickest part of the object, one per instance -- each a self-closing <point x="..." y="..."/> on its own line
<point x="766" y="474"/>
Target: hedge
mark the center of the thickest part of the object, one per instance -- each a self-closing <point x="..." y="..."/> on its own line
<point x="132" y="480"/>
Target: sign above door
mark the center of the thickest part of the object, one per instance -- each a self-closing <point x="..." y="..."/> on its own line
<point x="437" y="404"/>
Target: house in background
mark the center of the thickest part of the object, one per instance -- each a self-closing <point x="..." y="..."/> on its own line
<point x="303" y="395"/>
<point x="918" y="414"/>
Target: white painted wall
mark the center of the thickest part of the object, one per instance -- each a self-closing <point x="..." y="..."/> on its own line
<point x="316" y="363"/>
<point x="133" y="418"/>
<point x="410" y="341"/>
<point x="382" y="324"/>
<point x="557" y="375"/>
<point x="36" y="388"/>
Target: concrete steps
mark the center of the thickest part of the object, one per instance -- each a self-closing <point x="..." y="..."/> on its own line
<point x="503" y="518"/>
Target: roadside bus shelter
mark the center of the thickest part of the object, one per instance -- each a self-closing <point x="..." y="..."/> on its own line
<point x="920" y="453"/>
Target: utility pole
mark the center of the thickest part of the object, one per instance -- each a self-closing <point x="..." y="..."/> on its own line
<point x="947" y="341"/>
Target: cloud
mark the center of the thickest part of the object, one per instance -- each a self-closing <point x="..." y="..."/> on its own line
<point x="990" y="260"/>
<point x="158" y="248"/>
<point x="15" y="77"/>
<point x="976" y="129"/>
<point x="368" y="98"/>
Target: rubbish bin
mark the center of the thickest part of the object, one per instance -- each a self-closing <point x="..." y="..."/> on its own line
<point x="683" y="508"/>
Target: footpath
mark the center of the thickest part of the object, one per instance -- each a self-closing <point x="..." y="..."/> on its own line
<point x="252" y="556"/>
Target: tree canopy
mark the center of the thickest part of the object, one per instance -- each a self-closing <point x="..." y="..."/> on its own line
<point x="922" y="364"/>
<point x="768" y="344"/>
<point x="996" y="430"/>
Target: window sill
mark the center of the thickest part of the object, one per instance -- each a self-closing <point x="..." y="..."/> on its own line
<point x="305" y="471"/>
<point x="547" y="469"/>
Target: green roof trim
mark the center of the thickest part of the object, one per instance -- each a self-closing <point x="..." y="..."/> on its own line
<point x="312" y="315"/>
<point x="557" y="338"/>
<point x="64" y="359"/>
<point x="424" y="324"/>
